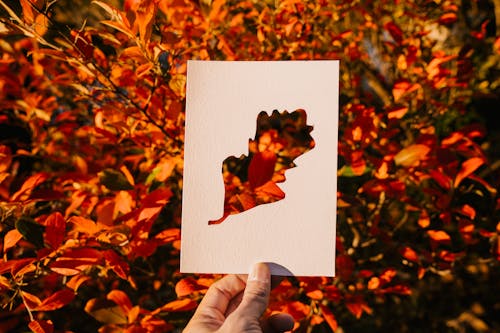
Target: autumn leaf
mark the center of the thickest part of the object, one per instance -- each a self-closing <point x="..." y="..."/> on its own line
<point x="115" y="180"/>
<point x="10" y="239"/>
<point x="467" y="168"/>
<point x="329" y="317"/>
<point x="31" y="231"/>
<point x="28" y="186"/>
<point x="251" y="180"/>
<point x="56" y="301"/>
<point x="411" y="155"/>
<point x="187" y="286"/>
<point x="106" y="311"/>
<point x="55" y="230"/>
<point x="41" y="326"/>
<point x="185" y="304"/>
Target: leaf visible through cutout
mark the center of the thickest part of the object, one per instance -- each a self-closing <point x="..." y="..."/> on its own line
<point x="250" y="180"/>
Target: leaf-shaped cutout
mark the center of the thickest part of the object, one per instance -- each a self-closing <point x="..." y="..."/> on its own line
<point x="251" y="180"/>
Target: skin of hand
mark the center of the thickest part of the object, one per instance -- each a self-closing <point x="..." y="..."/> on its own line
<point x="235" y="304"/>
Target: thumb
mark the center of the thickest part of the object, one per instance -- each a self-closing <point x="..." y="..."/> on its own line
<point x="256" y="296"/>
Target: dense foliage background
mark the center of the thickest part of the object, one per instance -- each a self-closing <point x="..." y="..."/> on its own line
<point x="92" y="99"/>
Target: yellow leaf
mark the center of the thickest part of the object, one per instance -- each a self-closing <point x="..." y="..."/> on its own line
<point x="411" y="155"/>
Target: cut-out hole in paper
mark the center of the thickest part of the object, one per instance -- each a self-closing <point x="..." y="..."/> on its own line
<point x="250" y="180"/>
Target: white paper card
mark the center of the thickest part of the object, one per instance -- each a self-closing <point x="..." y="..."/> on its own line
<point x="296" y="234"/>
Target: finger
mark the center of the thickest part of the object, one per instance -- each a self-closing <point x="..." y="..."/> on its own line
<point x="218" y="297"/>
<point x="234" y="303"/>
<point x="280" y="322"/>
<point x="256" y="294"/>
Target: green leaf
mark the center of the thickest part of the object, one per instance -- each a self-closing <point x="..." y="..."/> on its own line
<point x="31" y="231"/>
<point x="114" y="180"/>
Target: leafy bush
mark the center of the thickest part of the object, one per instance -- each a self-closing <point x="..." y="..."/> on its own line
<point x="91" y="157"/>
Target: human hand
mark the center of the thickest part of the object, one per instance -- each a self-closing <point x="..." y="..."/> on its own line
<point x="235" y="304"/>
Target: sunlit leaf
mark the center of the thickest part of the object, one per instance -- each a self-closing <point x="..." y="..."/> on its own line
<point x="467" y="168"/>
<point x="187" y="286"/>
<point x="56" y="301"/>
<point x="106" y="311"/>
<point x="185" y="304"/>
<point x="41" y="326"/>
<point x="10" y="239"/>
<point x="329" y="317"/>
<point x="411" y="155"/>
<point x="28" y="186"/>
<point x="121" y="299"/>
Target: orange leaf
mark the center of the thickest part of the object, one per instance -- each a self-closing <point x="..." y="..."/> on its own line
<point x="187" y="286"/>
<point x="448" y="18"/>
<point x="28" y="186"/>
<point x="56" y="301"/>
<point x="410" y="254"/>
<point x="41" y="24"/>
<point x="121" y="299"/>
<point x="468" y="167"/>
<point x="41" y="326"/>
<point x="329" y="317"/>
<point x="358" y="306"/>
<point x="11" y="238"/>
<point x="373" y="283"/>
<point x="439" y="236"/>
<point x="403" y="87"/>
<point x="31" y="301"/>
<point x="28" y="13"/>
<point x="315" y="294"/>
<point x="185" y="304"/>
<point x="397" y="112"/>
<point x="84" y="225"/>
<point x="168" y="235"/>
<point x="76" y="281"/>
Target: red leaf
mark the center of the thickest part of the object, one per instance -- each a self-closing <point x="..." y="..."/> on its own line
<point x="14" y="265"/>
<point x="117" y="264"/>
<point x="356" y="305"/>
<point x="468" y="167"/>
<point x="55" y="230"/>
<point x="56" y="301"/>
<point x="261" y="168"/>
<point x="41" y="326"/>
<point x="395" y="31"/>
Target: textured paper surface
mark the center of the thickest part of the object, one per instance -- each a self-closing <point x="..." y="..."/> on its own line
<point x="296" y="234"/>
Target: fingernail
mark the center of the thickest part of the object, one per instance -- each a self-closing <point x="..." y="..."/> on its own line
<point x="259" y="272"/>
